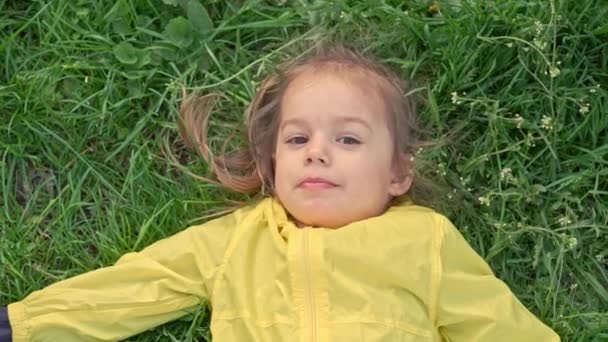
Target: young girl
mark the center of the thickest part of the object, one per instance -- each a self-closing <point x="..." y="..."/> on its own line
<point x="335" y="250"/>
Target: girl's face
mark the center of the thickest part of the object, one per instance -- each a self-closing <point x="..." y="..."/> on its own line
<point x="334" y="155"/>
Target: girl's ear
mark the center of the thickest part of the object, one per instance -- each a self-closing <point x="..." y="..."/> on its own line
<point x="402" y="175"/>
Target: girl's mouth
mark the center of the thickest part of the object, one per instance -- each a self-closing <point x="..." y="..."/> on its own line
<point x="316" y="183"/>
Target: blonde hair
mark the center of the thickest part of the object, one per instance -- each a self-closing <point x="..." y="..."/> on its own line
<point x="251" y="169"/>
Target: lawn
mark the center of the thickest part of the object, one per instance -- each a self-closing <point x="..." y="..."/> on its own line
<point x="513" y="93"/>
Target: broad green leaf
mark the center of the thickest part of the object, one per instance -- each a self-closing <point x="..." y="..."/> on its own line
<point x="119" y="16"/>
<point x="120" y="9"/>
<point x="198" y="16"/>
<point x="143" y="58"/>
<point x="121" y="25"/>
<point x="179" y="31"/>
<point x="126" y="53"/>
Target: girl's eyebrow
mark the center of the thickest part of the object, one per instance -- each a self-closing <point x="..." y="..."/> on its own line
<point x="346" y="119"/>
<point x="293" y="121"/>
<point x="354" y="119"/>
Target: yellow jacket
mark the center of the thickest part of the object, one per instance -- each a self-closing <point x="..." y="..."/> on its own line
<point x="407" y="275"/>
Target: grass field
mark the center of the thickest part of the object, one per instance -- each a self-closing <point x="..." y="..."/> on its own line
<point x="89" y="92"/>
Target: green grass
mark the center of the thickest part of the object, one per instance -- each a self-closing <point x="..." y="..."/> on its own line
<point x="89" y="92"/>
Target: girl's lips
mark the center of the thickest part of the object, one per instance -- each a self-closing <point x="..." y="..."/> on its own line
<point x="316" y="183"/>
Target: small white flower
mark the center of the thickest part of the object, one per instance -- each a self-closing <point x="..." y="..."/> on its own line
<point x="518" y="120"/>
<point x="484" y="200"/>
<point x="546" y="123"/>
<point x="541" y="44"/>
<point x="571" y="242"/>
<point x="455" y="98"/>
<point x="564" y="220"/>
<point x="442" y="169"/>
<point x="465" y="181"/>
<point x="573" y="286"/>
<point x="584" y="108"/>
<point x="499" y="225"/>
<point x="509" y="45"/>
<point x="505" y="173"/>
<point x="599" y="257"/>
<point x="530" y="140"/>
<point x="538" y="26"/>
<point x="554" y="71"/>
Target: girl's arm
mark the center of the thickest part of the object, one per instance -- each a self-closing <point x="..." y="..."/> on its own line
<point x="474" y="305"/>
<point x="142" y="290"/>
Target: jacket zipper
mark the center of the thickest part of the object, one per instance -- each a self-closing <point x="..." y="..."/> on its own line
<point x="311" y="300"/>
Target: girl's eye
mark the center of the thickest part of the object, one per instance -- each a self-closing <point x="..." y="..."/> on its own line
<point x="297" y="140"/>
<point x="349" y="141"/>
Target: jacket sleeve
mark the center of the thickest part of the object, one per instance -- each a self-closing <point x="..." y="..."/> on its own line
<point x="5" y="327"/>
<point x="140" y="291"/>
<point x="474" y="305"/>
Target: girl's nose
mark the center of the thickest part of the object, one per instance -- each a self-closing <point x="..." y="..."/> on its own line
<point x="321" y="160"/>
<point x="317" y="152"/>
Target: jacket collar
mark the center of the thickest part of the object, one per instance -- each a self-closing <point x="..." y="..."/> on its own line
<point x="281" y="225"/>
